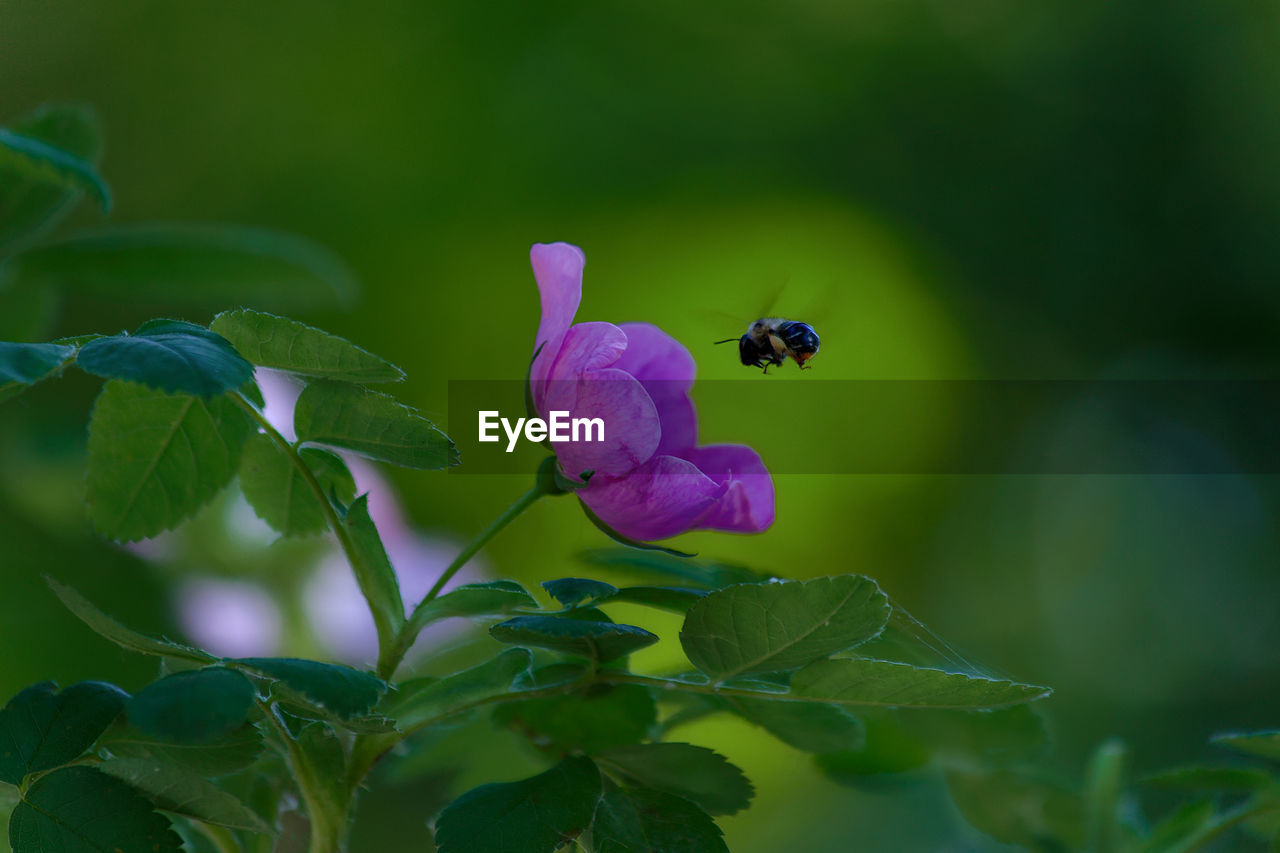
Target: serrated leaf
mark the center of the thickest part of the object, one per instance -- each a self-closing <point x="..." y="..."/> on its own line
<point x="574" y="591"/>
<point x="599" y="641"/>
<point x="419" y="701"/>
<point x="1018" y="809"/>
<point x="809" y="727"/>
<point x="221" y="757"/>
<point x="81" y="810"/>
<point x="773" y="627"/>
<point x="41" y="729"/>
<point x="374" y="573"/>
<point x="696" y="773"/>
<point x="711" y="575"/>
<point x="371" y="424"/>
<point x="640" y="820"/>
<point x="196" y="706"/>
<point x="342" y="690"/>
<point x="174" y="790"/>
<point x="124" y="637"/>
<point x="30" y="207"/>
<point x="1240" y="779"/>
<point x="156" y="458"/>
<point x="475" y="599"/>
<point x="202" y="266"/>
<point x="279" y="492"/>
<point x="283" y="344"/>
<point x="168" y="355"/>
<point x="858" y="682"/>
<point x="677" y="599"/>
<point x="36" y="160"/>
<point x="596" y="717"/>
<point x="23" y="365"/>
<point x="537" y="815"/>
<point x="1265" y="744"/>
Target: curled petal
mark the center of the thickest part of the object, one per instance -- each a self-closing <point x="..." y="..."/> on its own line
<point x="557" y="268"/>
<point x="666" y="369"/>
<point x="631" y="427"/>
<point x="747" y="505"/>
<point x="662" y="498"/>
<point x="587" y="346"/>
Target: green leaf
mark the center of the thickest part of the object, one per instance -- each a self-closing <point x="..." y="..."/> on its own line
<point x="639" y="820"/>
<point x="40" y="729"/>
<point x="168" y="355"/>
<point x="23" y="365"/>
<point x="1235" y="779"/>
<point x="596" y="717"/>
<point x="201" y="266"/>
<point x="574" y="591"/>
<point x="476" y="599"/>
<point x="808" y="727"/>
<point x="1004" y="737"/>
<point x="35" y="160"/>
<point x="1181" y="826"/>
<point x="174" y="790"/>
<point x="880" y="683"/>
<point x="374" y="572"/>
<point x="886" y="748"/>
<point x="284" y="344"/>
<point x="1103" y="784"/>
<point x="371" y="424"/>
<point x="534" y="815"/>
<point x="598" y="641"/>
<point x="420" y="701"/>
<point x="694" y="772"/>
<point x="124" y="637"/>
<point x="320" y="763"/>
<point x="339" y="689"/>
<point x="1262" y="743"/>
<point x="30" y="207"/>
<point x="674" y="598"/>
<point x="156" y="458"/>
<point x="1018" y="809"/>
<point x="224" y="756"/>
<point x="81" y="810"/>
<point x="196" y="706"/>
<point x="707" y="574"/>
<point x="280" y="494"/>
<point x="773" y="627"/>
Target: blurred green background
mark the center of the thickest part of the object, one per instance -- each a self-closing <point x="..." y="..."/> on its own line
<point x="946" y="190"/>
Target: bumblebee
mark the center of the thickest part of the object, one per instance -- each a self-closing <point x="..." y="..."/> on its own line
<point x="771" y="340"/>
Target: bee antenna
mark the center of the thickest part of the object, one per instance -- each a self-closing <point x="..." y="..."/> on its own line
<point x="725" y="341"/>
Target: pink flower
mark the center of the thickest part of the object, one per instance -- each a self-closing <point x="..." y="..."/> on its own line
<point x="650" y="479"/>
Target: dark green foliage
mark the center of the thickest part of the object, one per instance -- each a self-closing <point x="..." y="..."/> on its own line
<point x="477" y="599"/>
<point x="420" y="701"/>
<point x="591" y="719"/>
<point x="373" y="570"/>
<point x="574" y="591"/>
<point x="339" y="689"/>
<point x="283" y="344"/>
<point x="41" y="729"/>
<point x="168" y="355"/>
<point x="538" y="815"/>
<point x="702" y="573"/>
<point x="370" y="424"/>
<point x="28" y="204"/>
<point x="780" y="626"/>
<point x="219" y="757"/>
<point x="810" y="727"/>
<point x="695" y="773"/>
<point x="196" y="706"/>
<point x="599" y="641"/>
<point x="1265" y="744"/>
<point x="1014" y="808"/>
<point x="677" y="599"/>
<point x="857" y="682"/>
<point x="22" y="365"/>
<point x="38" y="161"/>
<point x="640" y="820"/>
<point x="81" y="810"/>
<point x="176" y="790"/>
<point x="156" y="458"/>
<point x="280" y="494"/>
<point x="124" y="637"/>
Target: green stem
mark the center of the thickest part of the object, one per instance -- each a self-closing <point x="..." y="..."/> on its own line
<point x="422" y="613"/>
<point x="386" y="632"/>
<point x="327" y="817"/>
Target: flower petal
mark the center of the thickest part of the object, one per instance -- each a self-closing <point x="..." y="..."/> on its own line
<point x="587" y="346"/>
<point x="662" y="498"/>
<point x="632" y="430"/>
<point x="748" y="502"/>
<point x="666" y="369"/>
<point x="557" y="268"/>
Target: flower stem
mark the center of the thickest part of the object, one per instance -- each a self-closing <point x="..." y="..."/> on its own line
<point x="363" y="573"/>
<point x="422" y="613"/>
